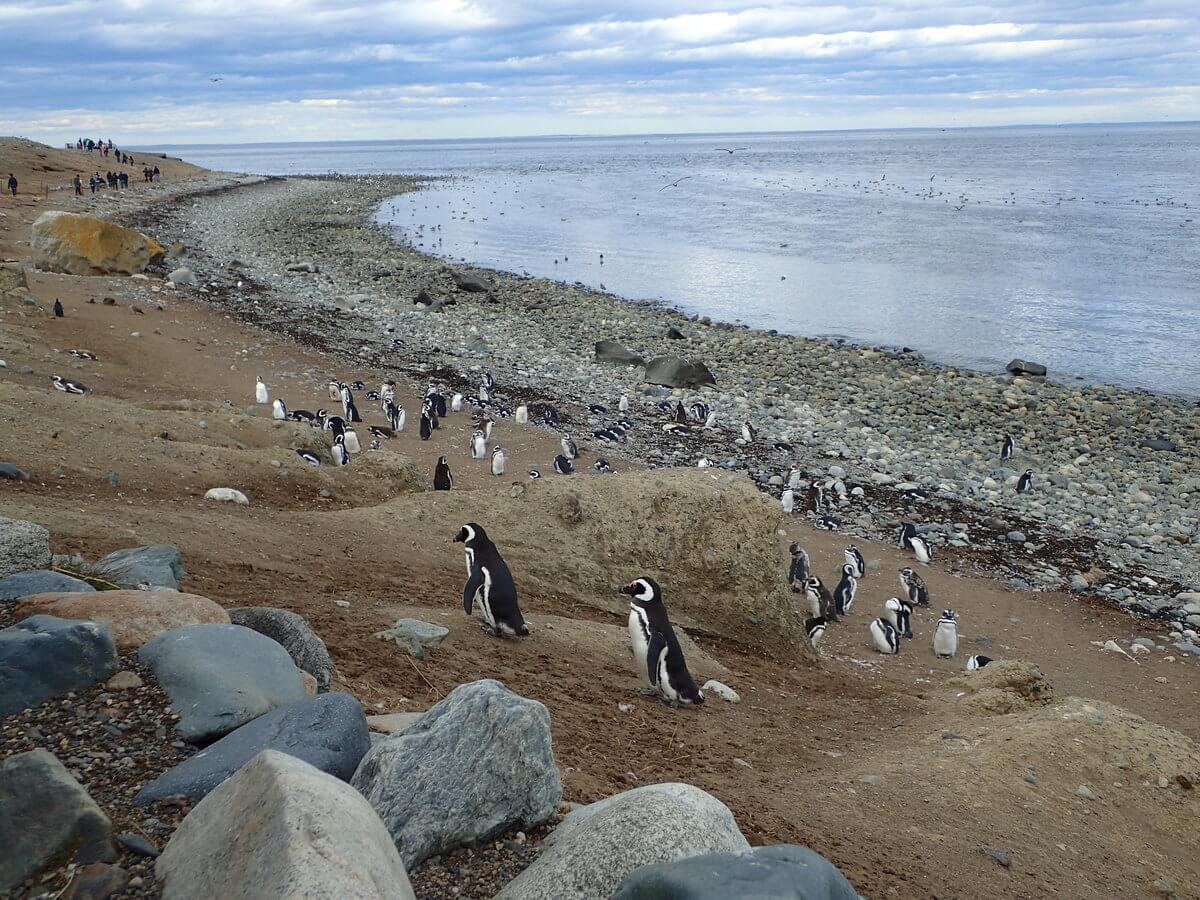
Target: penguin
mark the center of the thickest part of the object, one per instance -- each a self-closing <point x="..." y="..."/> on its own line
<point x="799" y="570"/>
<point x="676" y="428"/>
<point x="908" y="538"/>
<point x="656" y="649"/>
<point x="442" y="479"/>
<point x="279" y="410"/>
<point x="373" y="396"/>
<point x="1007" y="448"/>
<point x="623" y="403"/>
<point x="380" y="432"/>
<point x="374" y="445"/>
<point x="351" y="410"/>
<point x="885" y="637"/>
<point x="855" y="559"/>
<point x="899" y="613"/>
<point x="387" y="391"/>
<point x="569" y="449"/>
<point x="816" y="497"/>
<point x="522" y="415"/>
<point x="563" y="466"/>
<point x="426" y="427"/>
<point x="260" y="390"/>
<point x="309" y="457"/>
<point x="788" y="499"/>
<point x="550" y="416"/>
<point x="820" y="601"/>
<point x="915" y="587"/>
<point x="478" y="445"/>
<point x="891" y="611"/>
<point x="596" y="409"/>
<point x="58" y="308"/>
<point x="606" y="435"/>
<point x="357" y="385"/>
<point x="793" y="479"/>
<point x="301" y="415"/>
<point x="439" y="403"/>
<point x="395" y="416"/>
<point x="975" y="663"/>
<point x="782" y="447"/>
<point x="815" y="626"/>
<point x="711" y="421"/>
<point x="748" y="433"/>
<point x="828" y="523"/>
<point x="68" y="386"/>
<point x="490" y="583"/>
<point x="334" y="389"/>
<point x="487" y="425"/>
<point x="1025" y="482"/>
<point x="602" y="466"/>
<point x="338" y="451"/>
<point x="456" y="403"/>
<point x="350" y="436"/>
<point x="499" y="460"/>
<point x="843" y="594"/>
<point x="430" y="410"/>
<point x="704" y="463"/>
<point x="700" y="412"/>
<point x="484" y="394"/>
<point x="84" y="354"/>
<point x="534" y="474"/>
<point x="488" y="381"/>
<point x="945" y="635"/>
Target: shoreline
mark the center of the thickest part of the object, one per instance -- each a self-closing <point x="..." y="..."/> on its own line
<point x="890" y="434"/>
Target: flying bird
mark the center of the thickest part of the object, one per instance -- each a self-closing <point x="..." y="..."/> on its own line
<point x="215" y="79"/>
<point x="732" y="150"/>
<point x="674" y="183"/>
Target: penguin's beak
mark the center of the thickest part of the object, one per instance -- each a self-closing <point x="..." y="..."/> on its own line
<point x="625" y="589"/>
<point x="458" y="538"/>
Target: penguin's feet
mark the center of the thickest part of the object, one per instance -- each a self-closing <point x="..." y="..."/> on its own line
<point x="674" y="704"/>
<point x="489" y="630"/>
<point x="647" y="692"/>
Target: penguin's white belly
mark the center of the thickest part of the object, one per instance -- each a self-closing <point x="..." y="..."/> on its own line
<point x="485" y="600"/>
<point x="945" y="641"/>
<point x="879" y="636"/>
<point x="814" y="604"/>
<point x="260" y="392"/>
<point x="640" y="644"/>
<point x="664" y="681"/>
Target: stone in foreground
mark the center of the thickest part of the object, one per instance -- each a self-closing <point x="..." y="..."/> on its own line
<point x="676" y="372"/>
<point x="44" y="657"/>
<point x="781" y="872"/>
<point x="74" y="244"/>
<point x="40" y="581"/>
<point x="46" y="816"/>
<point x="292" y="632"/>
<point x="23" y="546"/>
<point x="159" y="565"/>
<point x="478" y="763"/>
<point x="612" y="352"/>
<point x="415" y="635"/>
<point x="328" y="732"/>
<point x="280" y="828"/>
<point x="598" y="845"/>
<point x="220" y="677"/>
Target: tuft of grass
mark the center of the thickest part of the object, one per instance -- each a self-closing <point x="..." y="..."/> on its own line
<point x="84" y="573"/>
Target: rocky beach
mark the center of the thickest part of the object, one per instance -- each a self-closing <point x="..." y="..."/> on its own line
<point x="228" y="672"/>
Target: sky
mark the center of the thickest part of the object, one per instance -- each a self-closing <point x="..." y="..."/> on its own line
<point x="226" y="71"/>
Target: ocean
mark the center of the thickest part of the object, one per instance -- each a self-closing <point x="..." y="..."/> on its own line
<point x="1077" y="247"/>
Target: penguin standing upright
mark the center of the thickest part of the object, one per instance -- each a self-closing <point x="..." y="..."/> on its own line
<point x="429" y="408"/>
<point x="1025" y="482"/>
<point x="439" y="402"/>
<point x="478" y="445"/>
<point x="815" y="626"/>
<point x="899" y="613"/>
<point x="490" y="583"/>
<point x="334" y="389"/>
<point x="260" y="391"/>
<point x="1007" y="448"/>
<point x="793" y="479"/>
<point x="522" y="415"/>
<point x="396" y="416"/>
<point x="58" y="308"/>
<point x="816" y="497"/>
<point x="499" y="460"/>
<point x="569" y="449"/>
<point x="820" y="601"/>
<point x="910" y="540"/>
<point x="748" y="433"/>
<point x="843" y="594"/>
<point x="799" y="569"/>
<point x="426" y="426"/>
<point x="788" y="499"/>
<point x="945" y="635"/>
<point x="915" y="587"/>
<point x="279" y="410"/>
<point x="623" y="403"/>
<point x="338" y="451"/>
<point x="885" y="637"/>
<point x="456" y="403"/>
<point x="855" y="558"/>
<point x="442" y="479"/>
<point x="656" y="649"/>
<point x="352" y="414"/>
<point x="350" y="436"/>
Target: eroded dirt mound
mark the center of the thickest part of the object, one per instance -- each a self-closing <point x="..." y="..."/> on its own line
<point x="1004" y="686"/>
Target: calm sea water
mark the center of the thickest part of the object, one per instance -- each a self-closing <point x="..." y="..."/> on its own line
<point x="1076" y="247"/>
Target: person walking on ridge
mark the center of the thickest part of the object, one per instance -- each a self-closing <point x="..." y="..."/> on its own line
<point x="12" y="183"/>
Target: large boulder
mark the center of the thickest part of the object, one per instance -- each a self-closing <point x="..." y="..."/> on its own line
<point x="46" y="817"/>
<point x="132" y="617"/>
<point x="780" y="872"/>
<point x="598" y="845"/>
<point x="676" y="372"/>
<point x="476" y="764"/>
<point x="159" y="565"/>
<point x="328" y="732"/>
<point x="38" y="581"/>
<point x="1025" y="367"/>
<point x="75" y="244"/>
<point x="220" y="677"/>
<point x="280" y="828"/>
<point x="291" y="631"/>
<point x="44" y="657"/>
<point x="472" y="284"/>
<point x="612" y="352"/>
<point x="23" y="546"/>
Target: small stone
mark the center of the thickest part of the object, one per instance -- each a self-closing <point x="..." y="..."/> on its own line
<point x="1085" y="792"/>
<point x="1000" y="856"/>
<point x="124" y="681"/>
<point x="1029" y="779"/>
<point x="342" y="604"/>
<point x="1017" y="537"/>
<point x="875" y="780"/>
<point x="137" y="844"/>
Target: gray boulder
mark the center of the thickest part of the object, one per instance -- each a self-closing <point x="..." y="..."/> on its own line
<point x="676" y="372"/>
<point x="472" y="284"/>
<point x="291" y="631"/>
<point x="781" y="872"/>
<point x="220" y="677"/>
<point x="43" y="657"/>
<point x="1024" y="367"/>
<point x="46" y="816"/>
<point x="40" y="581"/>
<point x="12" y="473"/>
<point x="328" y="732"/>
<point x="598" y="845"/>
<point x="23" y="546"/>
<point x="414" y="634"/>
<point x="183" y="275"/>
<point x="280" y="828"/>
<point x="612" y="352"/>
<point x="159" y="565"/>
<point x="477" y="764"/>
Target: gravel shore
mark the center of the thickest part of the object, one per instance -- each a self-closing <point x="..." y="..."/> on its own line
<point x="1115" y="509"/>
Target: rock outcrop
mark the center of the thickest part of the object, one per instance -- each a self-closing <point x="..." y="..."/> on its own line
<point x="75" y="244"/>
<point x="23" y="546"/>
<point x="44" y="657"/>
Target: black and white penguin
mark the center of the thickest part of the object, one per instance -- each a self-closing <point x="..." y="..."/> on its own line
<point x="1025" y="482"/>
<point x="351" y="410"/>
<point x="334" y="389"/>
<point x="700" y="412"/>
<point x="843" y="594"/>
<point x="855" y="559"/>
<point x="357" y="385"/>
<point x="83" y="354"/>
<point x="656" y="650"/>
<point x="828" y="523"/>
<point x="908" y="538"/>
<point x="914" y="587"/>
<point x="550" y="417"/>
<point x="456" y="403"/>
<point x="373" y="396"/>
<point x="820" y="601"/>
<point x="885" y="637"/>
<point x="899" y="613"/>
<point x="309" y="457"/>
<point x="260" y="390"/>
<point x="380" y="431"/>
<point x="704" y="463"/>
<point x="563" y="466"/>
<point x="534" y="474"/>
<point x="395" y="416"/>
<point x="351" y="438"/>
<point x="478" y="445"/>
<point x="597" y="409"/>
<point x="439" y="402"/>
<point x="68" y="386"/>
<point x="815" y="626"/>
<point x="387" y="391"/>
<point x="58" y="308"/>
<point x="782" y="447"/>
<point x="799" y="569"/>
<point x="1007" y="447"/>
<point x="606" y="435"/>
<point x="793" y="479"/>
<point x="974" y="663"/>
<point x="711" y="421"/>
<point x="522" y="415"/>
<point x="338" y="451"/>
<point x="816" y="497"/>
<point x="788" y="500"/>
<point x="443" y="480"/>
<point x="426" y="426"/>
<point x="676" y="428"/>
<point x="279" y="410"/>
<point x="490" y="584"/>
<point x="488" y="381"/>
<point x="601" y="465"/>
<point x="428" y="408"/>
<point x="945" y="635"/>
<point x="748" y="433"/>
<point x="499" y="460"/>
<point x="623" y="403"/>
<point x="301" y="415"/>
<point x="484" y="424"/>
<point x="569" y="449"/>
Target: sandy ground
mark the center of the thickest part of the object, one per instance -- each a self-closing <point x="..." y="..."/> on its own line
<point x="872" y="761"/>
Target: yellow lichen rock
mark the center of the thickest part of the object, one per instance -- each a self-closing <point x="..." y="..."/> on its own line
<point x="85" y="245"/>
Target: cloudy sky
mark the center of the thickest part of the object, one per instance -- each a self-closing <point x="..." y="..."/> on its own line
<point x="197" y="71"/>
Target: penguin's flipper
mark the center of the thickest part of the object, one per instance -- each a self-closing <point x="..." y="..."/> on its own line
<point x="655" y="649"/>
<point x="473" y="587"/>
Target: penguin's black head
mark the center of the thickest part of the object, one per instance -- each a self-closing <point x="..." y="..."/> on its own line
<point x="814" y="584"/>
<point x="469" y="533"/>
<point x="949" y="614"/>
<point x="847" y="569"/>
<point x="645" y="589"/>
<point x="795" y="549"/>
